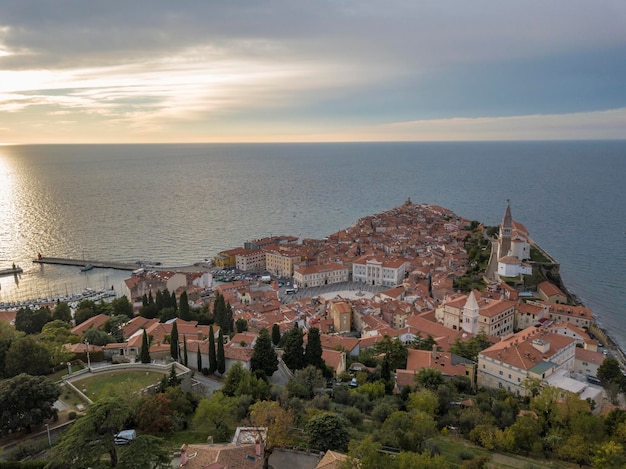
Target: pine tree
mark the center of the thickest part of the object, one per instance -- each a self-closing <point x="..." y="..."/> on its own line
<point x="276" y="335"/>
<point x="212" y="356"/>
<point x="221" y="360"/>
<point x="313" y="351"/>
<point x="174" y="342"/>
<point x="183" y="306"/>
<point x="185" y="350"/>
<point x="145" y="348"/>
<point x="199" y="359"/>
<point x="293" y="354"/>
<point x="264" y="357"/>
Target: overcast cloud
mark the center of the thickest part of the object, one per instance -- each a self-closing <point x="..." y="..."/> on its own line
<point x="285" y="70"/>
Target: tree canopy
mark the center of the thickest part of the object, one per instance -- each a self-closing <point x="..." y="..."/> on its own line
<point x="27" y="355"/>
<point x="278" y="421"/>
<point x="328" y="431"/>
<point x="27" y="400"/>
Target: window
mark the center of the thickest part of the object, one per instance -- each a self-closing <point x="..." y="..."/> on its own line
<point x="500" y="372"/>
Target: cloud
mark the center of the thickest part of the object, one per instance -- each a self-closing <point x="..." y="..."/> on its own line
<point x="151" y="66"/>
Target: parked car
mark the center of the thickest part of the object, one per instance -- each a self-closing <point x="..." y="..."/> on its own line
<point x="125" y="437"/>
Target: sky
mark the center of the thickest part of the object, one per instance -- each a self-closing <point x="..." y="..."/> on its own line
<point x="120" y="71"/>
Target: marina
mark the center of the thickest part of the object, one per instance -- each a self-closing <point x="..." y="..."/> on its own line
<point x="72" y="300"/>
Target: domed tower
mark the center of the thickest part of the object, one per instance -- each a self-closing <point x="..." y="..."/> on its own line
<point x="506" y="228"/>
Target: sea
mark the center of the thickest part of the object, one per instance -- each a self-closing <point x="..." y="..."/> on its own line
<point x="183" y="203"/>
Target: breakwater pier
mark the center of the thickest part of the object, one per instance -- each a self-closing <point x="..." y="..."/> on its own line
<point x="84" y="263"/>
<point x="130" y="266"/>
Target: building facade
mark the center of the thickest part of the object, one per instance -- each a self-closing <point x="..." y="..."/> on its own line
<point x="531" y="353"/>
<point x="372" y="271"/>
<point x="317" y="275"/>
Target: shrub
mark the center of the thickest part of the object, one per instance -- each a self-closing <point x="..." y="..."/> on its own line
<point x="72" y="415"/>
<point x="353" y="415"/>
<point x="26" y="449"/>
<point x="432" y="447"/>
<point x="465" y="455"/>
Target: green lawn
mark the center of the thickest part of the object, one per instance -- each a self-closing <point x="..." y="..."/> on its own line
<point x="452" y="447"/>
<point x="116" y="383"/>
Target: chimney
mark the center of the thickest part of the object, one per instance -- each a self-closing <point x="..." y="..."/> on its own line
<point x="434" y="351"/>
<point x="258" y="446"/>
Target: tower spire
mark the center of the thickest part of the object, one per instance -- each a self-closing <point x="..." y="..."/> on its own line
<point x="506" y="230"/>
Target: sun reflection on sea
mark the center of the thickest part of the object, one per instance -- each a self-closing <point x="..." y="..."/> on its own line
<point x="7" y="222"/>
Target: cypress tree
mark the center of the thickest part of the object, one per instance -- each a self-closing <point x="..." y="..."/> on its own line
<point x="183" y="306"/>
<point x="293" y="354"/>
<point x="174" y="342"/>
<point x="144" y="300"/>
<point x="212" y="356"/>
<point x="276" y="335"/>
<point x="230" y="322"/>
<point x="160" y="304"/>
<point x="199" y="359"/>
<point x="185" y="350"/>
<point x="264" y="357"/>
<point x="313" y="351"/>
<point x="173" y="380"/>
<point x="173" y="301"/>
<point x="145" y="348"/>
<point x="221" y="360"/>
<point x="150" y="299"/>
<point x="219" y="312"/>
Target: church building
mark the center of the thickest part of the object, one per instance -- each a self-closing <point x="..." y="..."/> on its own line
<point x="513" y="247"/>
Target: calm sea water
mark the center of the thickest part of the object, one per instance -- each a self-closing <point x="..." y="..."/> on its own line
<point x="182" y="203"/>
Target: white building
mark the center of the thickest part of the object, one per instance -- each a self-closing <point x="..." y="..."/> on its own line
<point x="531" y="353"/>
<point x="387" y="272"/>
<point x="511" y="266"/>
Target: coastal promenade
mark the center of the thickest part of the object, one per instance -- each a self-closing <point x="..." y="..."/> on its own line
<point x="130" y="266"/>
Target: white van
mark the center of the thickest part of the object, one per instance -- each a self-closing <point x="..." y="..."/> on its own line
<point x="125" y="437"/>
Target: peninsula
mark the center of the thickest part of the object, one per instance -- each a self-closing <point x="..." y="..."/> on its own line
<point x="416" y="271"/>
